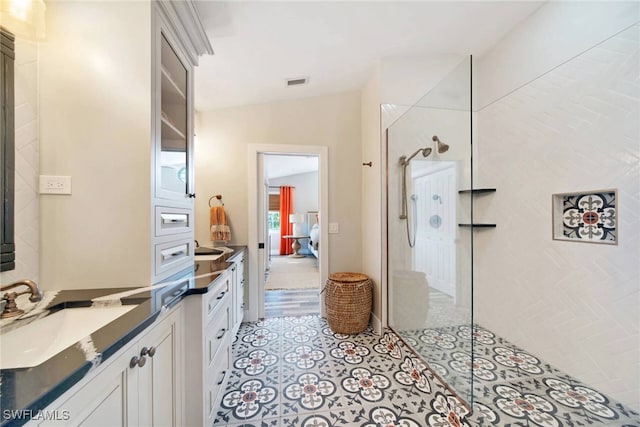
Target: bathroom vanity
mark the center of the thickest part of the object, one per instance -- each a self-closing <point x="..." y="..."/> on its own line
<point x="138" y="367"/>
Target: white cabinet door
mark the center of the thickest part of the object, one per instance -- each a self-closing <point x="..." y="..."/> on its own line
<point x="159" y="387"/>
<point x="173" y="116"/>
<point x="159" y="378"/>
<point x="105" y="400"/>
<point x="123" y="393"/>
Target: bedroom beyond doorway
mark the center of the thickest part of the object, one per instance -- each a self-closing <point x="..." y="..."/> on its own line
<point x="298" y="216"/>
<point x="292" y="273"/>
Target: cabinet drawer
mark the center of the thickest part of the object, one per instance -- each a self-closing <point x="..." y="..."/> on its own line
<point x="173" y="220"/>
<point x="216" y="381"/>
<point x="217" y="296"/>
<point x="170" y="254"/>
<point x="216" y="334"/>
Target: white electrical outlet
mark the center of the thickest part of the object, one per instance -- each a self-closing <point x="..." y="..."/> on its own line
<point x="334" y="228"/>
<point x="50" y="184"/>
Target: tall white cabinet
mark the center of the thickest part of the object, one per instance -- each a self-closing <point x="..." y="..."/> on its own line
<point x="174" y="56"/>
<point x="116" y="114"/>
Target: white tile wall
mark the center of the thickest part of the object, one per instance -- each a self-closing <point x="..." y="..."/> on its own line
<point x="27" y="204"/>
<point x="573" y="304"/>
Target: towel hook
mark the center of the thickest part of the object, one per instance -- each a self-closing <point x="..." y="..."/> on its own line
<point x="218" y="197"/>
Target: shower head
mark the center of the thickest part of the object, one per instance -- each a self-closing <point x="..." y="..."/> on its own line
<point x="442" y="147"/>
<point x="404" y="160"/>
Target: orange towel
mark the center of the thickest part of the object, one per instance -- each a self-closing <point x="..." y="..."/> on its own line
<point x="218" y="224"/>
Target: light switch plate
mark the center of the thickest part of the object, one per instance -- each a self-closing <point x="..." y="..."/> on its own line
<point x="334" y="228"/>
<point x="51" y="184"/>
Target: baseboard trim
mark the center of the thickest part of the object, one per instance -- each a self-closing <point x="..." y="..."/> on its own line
<point x="376" y="324"/>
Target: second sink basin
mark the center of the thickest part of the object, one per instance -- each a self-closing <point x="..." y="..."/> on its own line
<point x="203" y="250"/>
<point x="34" y="343"/>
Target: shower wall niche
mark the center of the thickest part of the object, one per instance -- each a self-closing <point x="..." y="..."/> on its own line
<point x="428" y="150"/>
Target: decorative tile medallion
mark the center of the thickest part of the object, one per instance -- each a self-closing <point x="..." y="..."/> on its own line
<point x="248" y="399"/>
<point x="309" y="390"/>
<point x="586" y="217"/>
<point x="369" y="386"/>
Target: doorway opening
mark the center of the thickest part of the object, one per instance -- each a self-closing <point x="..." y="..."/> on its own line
<point x="292" y="275"/>
<point x="261" y="259"/>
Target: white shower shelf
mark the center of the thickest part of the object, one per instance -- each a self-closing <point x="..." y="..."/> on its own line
<point x="477" y="191"/>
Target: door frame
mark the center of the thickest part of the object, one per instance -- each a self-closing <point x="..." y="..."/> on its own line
<point x="256" y="278"/>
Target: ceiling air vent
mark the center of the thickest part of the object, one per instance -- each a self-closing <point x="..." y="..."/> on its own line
<point x="297" y="81"/>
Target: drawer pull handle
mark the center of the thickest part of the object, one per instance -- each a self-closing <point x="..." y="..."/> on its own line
<point x="174" y="252"/>
<point x="222" y="375"/>
<point x="173" y="218"/>
<point x="219" y="297"/>
<point x="221" y="333"/>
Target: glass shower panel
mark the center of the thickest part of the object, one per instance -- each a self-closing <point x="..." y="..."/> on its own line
<point x="429" y="254"/>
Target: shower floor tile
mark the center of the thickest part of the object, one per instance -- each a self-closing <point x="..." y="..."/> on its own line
<point x="512" y="387"/>
<point x="305" y="375"/>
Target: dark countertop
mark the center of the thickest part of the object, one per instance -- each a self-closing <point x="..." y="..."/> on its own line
<point x="33" y="389"/>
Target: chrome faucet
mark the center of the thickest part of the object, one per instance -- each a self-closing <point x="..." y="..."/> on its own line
<point x="10" y="308"/>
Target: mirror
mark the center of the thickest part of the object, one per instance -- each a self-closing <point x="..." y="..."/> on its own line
<point x="7" y="153"/>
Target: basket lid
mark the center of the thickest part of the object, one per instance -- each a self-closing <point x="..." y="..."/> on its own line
<point x="347" y="277"/>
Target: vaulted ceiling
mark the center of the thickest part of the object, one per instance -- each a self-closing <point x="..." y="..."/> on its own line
<point x="336" y="44"/>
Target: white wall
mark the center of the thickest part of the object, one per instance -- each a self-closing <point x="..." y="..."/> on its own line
<point x="27" y="203"/>
<point x="371" y="197"/>
<point x="95" y="112"/>
<point x="305" y="193"/>
<point x="553" y="34"/>
<point x="331" y="120"/>
<point x="572" y="126"/>
<point x="305" y="199"/>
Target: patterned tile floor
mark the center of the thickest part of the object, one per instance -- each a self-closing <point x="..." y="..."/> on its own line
<point x="293" y="371"/>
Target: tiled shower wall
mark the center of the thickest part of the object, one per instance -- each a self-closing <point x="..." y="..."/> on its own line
<point x="27" y="205"/>
<point x="575" y="305"/>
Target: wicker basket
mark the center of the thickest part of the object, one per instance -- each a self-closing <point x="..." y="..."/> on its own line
<point x="348" y="302"/>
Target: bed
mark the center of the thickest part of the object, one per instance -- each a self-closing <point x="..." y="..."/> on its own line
<point x="314" y="237"/>
<point x="314" y="233"/>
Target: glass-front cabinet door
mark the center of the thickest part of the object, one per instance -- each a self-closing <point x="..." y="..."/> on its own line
<point x="174" y="148"/>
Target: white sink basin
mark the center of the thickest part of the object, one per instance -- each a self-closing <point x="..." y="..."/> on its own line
<point x="38" y="341"/>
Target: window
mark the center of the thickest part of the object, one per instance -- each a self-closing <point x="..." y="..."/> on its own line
<point x="273" y="219"/>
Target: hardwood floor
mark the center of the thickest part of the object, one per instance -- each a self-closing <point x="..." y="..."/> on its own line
<point x="291" y="302"/>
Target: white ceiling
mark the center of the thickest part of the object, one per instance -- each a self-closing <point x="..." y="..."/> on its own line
<point x="259" y="44"/>
<point x="277" y="166"/>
